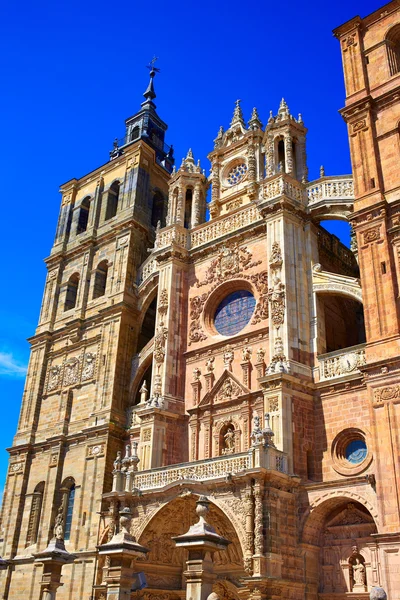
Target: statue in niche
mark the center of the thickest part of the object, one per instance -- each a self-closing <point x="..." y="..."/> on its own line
<point x="229" y="441"/>
<point x="359" y="573"/>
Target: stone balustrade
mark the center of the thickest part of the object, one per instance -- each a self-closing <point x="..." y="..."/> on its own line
<point x="204" y="470"/>
<point x="341" y="362"/>
<point x="173" y="234"/>
<point x="147" y="269"/>
<point x="221" y="226"/>
<point x="283" y="185"/>
<point x="331" y="188"/>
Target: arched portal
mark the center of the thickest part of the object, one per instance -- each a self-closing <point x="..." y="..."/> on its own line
<point x="340" y="322"/>
<point x="340" y="531"/>
<point x="164" y="564"/>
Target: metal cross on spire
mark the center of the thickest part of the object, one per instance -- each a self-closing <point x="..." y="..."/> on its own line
<point x="152" y="63"/>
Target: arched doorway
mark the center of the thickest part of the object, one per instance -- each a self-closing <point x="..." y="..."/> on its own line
<point x="342" y="560"/>
<point x="164" y="564"/>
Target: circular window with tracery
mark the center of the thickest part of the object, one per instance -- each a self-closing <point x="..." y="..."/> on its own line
<point x="350" y="452"/>
<point x="234" y="312"/>
<point x="236" y="173"/>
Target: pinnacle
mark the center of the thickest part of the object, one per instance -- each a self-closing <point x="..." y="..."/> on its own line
<point x="237" y="115"/>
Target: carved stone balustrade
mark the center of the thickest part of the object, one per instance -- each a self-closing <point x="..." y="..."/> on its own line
<point x="205" y="470"/>
<point x="221" y="226"/>
<point x="174" y="234"/>
<point x="147" y="269"/>
<point x="342" y="362"/>
<point x="331" y="196"/>
<point x="283" y="185"/>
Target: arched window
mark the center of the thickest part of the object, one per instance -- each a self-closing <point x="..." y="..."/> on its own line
<point x="69" y="512"/>
<point x="135" y="133"/>
<point x="112" y="200"/>
<point x="157" y="211"/>
<point x="188" y="209"/>
<point x="34" y="516"/>
<point x="72" y="292"/>
<point x="83" y="215"/>
<point x="148" y="326"/>
<point x="100" y="280"/>
<point x="393" y="49"/>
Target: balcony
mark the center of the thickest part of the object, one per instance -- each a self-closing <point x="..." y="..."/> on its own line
<point x="221" y="467"/>
<point x="341" y="363"/>
<point x="331" y="197"/>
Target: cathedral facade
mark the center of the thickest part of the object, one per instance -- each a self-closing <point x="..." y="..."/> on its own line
<point x="224" y="346"/>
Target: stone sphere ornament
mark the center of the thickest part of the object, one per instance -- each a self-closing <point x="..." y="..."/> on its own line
<point x="377" y="593"/>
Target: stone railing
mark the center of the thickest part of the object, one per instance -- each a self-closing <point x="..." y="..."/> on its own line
<point x="217" y="228"/>
<point x="147" y="269"/>
<point x="331" y="188"/>
<point x="127" y="478"/>
<point x="282" y="185"/>
<point x="169" y="235"/>
<point x="342" y="362"/>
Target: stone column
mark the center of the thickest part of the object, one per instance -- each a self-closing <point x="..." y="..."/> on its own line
<point x="201" y="541"/>
<point x="121" y="578"/>
<point x="53" y="558"/>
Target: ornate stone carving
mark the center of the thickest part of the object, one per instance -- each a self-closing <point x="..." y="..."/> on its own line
<point x="163" y="302"/>
<point x="228" y="390"/>
<point x="371" y="235"/>
<point x="58" y="530"/>
<point x="196" y="333"/>
<point x="229" y="441"/>
<point x="273" y="404"/>
<point x="89" y="363"/>
<point x="228" y="357"/>
<point x="159" y="343"/>
<point x="231" y="260"/>
<point x="391" y="392"/>
<point x="53" y="378"/>
<point x="210" y="364"/>
<point x="71" y="372"/>
<point x="359" y="125"/>
<point x="260" y="355"/>
<point x="196" y="374"/>
<point x="342" y="364"/>
<point x="275" y="260"/>
<point x="276" y="297"/>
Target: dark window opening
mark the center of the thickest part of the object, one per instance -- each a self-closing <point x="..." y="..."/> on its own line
<point x="281" y="156"/>
<point x="344" y="322"/>
<point x="393" y="49"/>
<point x="112" y="200"/>
<point x="71" y="292"/>
<point x="157" y="211"/>
<point x="100" y="280"/>
<point x="83" y="216"/>
<point x="383" y="267"/>
<point x="135" y="133"/>
<point x="34" y="516"/>
<point x="188" y="209"/>
<point x="148" y="326"/>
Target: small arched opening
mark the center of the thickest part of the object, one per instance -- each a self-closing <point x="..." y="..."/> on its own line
<point x="100" y="280"/>
<point x="112" y="200"/>
<point x="148" y="325"/>
<point x="393" y="49"/>
<point x="83" y="216"/>
<point x="144" y="384"/>
<point x="227" y="439"/>
<point x="188" y="208"/>
<point x="71" y="293"/>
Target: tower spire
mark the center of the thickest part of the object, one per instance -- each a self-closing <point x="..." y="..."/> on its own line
<point x="150" y="94"/>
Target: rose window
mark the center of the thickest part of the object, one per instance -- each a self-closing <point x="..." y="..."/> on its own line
<point x="356" y="451"/>
<point x="234" y="312"/>
<point x="237" y="173"/>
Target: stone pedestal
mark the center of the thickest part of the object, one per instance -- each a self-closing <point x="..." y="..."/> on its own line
<point x="201" y="541"/>
<point x="53" y="558"/>
<point x="122" y="550"/>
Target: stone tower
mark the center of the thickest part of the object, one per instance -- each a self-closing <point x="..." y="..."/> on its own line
<point x="190" y="348"/>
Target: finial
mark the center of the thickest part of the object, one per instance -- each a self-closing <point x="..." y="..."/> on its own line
<point x="189" y="155"/>
<point x="271" y="118"/>
<point x="300" y="118"/>
<point x="150" y="94"/>
<point x="237" y="115"/>
<point x="218" y="139"/>
<point x="255" y="122"/>
<point x="322" y="171"/>
<point x="283" y="112"/>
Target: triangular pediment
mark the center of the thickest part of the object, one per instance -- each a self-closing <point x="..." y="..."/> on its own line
<point x="226" y="388"/>
<point x="351" y="515"/>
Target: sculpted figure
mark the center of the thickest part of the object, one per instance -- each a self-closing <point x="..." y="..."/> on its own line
<point x="210" y="364"/>
<point x="229" y="440"/>
<point x="59" y="525"/>
<point x="246" y="353"/>
<point x="359" y="572"/>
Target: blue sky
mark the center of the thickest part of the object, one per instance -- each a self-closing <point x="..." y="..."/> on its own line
<point x="73" y="71"/>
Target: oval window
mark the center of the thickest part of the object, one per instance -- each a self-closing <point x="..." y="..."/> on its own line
<point x="234" y="312"/>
